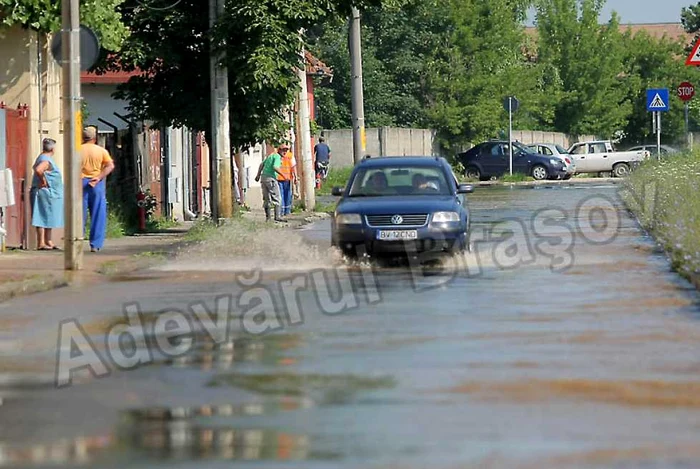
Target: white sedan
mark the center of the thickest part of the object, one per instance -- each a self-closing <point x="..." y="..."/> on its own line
<point x="551" y="149"/>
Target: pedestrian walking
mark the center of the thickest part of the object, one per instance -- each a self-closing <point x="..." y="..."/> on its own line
<point x="97" y="164"/>
<point x="286" y="179"/>
<point x="267" y="175"/>
<point x="322" y="158"/>
<point x="46" y="196"/>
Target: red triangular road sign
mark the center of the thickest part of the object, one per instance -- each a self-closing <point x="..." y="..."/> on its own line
<point x="694" y="57"/>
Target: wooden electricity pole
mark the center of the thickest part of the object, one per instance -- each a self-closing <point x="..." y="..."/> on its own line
<point x="72" y="133"/>
<point x="220" y="162"/>
<point x="356" y="92"/>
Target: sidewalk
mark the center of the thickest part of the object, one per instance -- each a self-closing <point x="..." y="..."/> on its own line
<point x="23" y="272"/>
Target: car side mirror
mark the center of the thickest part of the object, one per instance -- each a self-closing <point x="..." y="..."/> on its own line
<point x="465" y="189"/>
<point x="337" y="191"/>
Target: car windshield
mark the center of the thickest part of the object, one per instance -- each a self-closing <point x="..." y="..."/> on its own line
<point x="519" y="147"/>
<point x="399" y="180"/>
<point x="561" y="151"/>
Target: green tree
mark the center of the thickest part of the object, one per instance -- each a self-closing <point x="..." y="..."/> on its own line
<point x="690" y="18"/>
<point x="654" y="63"/>
<point x="170" y="46"/>
<point x="587" y="60"/>
<point x="45" y="16"/>
<point x="482" y="62"/>
<point x="399" y="45"/>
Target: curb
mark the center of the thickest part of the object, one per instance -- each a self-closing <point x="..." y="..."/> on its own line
<point x="559" y="182"/>
<point x="30" y="286"/>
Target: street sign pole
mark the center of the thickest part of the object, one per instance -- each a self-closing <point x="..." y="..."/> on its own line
<point x="687" y="122"/>
<point x="658" y="135"/>
<point x="510" y="132"/>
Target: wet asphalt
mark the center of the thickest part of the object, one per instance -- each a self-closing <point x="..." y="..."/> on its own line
<point x="563" y="340"/>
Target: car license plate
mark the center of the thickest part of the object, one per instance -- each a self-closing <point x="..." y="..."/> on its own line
<point x="396" y="235"/>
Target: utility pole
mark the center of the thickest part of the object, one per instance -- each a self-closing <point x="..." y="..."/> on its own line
<point x="70" y="64"/>
<point x="220" y="162"/>
<point x="510" y="134"/>
<point x="308" y="174"/>
<point x="358" y="107"/>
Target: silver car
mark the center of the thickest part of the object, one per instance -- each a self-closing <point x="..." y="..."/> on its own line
<point x="665" y="149"/>
<point x="551" y="149"/>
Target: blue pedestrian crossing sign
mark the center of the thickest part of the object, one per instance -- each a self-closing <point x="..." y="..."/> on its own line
<point x="658" y="99"/>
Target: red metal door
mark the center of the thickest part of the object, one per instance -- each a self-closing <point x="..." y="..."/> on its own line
<point x="17" y="144"/>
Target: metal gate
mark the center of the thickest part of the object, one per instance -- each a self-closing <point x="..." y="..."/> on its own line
<point x="155" y="163"/>
<point x="16" y="143"/>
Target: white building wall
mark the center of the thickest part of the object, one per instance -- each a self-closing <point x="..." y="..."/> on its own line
<point x="251" y="161"/>
<point x="178" y="160"/>
<point x="101" y="104"/>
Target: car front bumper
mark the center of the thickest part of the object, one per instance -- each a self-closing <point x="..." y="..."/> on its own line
<point x="434" y="237"/>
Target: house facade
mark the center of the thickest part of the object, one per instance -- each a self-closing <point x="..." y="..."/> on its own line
<point x="30" y="110"/>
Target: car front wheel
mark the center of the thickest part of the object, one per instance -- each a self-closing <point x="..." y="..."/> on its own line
<point x="472" y="172"/>
<point x="539" y="172"/>
<point x="621" y="170"/>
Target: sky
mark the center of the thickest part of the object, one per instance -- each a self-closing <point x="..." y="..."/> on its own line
<point x="644" y="11"/>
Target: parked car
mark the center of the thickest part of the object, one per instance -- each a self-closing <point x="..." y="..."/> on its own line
<point x="401" y="205"/>
<point x="491" y="159"/>
<point x="551" y="149"/>
<point x="665" y="149"/>
<point x="600" y="156"/>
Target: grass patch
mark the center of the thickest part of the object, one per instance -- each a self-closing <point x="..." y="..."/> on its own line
<point x="201" y="231"/>
<point x="326" y="207"/>
<point x="336" y="177"/>
<point x="289" y="384"/>
<point x="516" y="177"/>
<point x="665" y="197"/>
<point x="156" y="224"/>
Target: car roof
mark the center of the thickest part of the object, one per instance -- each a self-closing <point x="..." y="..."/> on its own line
<point x="385" y="161"/>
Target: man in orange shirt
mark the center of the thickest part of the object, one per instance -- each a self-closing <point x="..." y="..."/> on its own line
<point x="96" y="166"/>
<point x="286" y="178"/>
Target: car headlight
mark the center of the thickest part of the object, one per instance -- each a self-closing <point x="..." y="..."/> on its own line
<point x="348" y="219"/>
<point x="556" y="161"/>
<point x="440" y="217"/>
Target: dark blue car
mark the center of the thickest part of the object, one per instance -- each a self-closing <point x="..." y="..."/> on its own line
<point x="492" y="159"/>
<point x="401" y="205"/>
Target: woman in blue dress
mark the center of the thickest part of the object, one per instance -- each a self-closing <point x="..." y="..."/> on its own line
<point x="46" y="196"/>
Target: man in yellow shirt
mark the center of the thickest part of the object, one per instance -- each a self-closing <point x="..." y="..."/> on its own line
<point x="96" y="166"/>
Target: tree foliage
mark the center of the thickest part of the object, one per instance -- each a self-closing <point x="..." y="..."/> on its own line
<point x="45" y="16"/>
<point x="448" y="64"/>
<point x="398" y="46"/>
<point x="262" y="43"/>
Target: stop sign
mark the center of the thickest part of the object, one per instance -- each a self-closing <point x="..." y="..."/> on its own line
<point x="686" y="91"/>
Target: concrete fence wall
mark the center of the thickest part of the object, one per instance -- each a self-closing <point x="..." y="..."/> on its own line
<point x="390" y="141"/>
<point x="536" y="136"/>
<point x="383" y="141"/>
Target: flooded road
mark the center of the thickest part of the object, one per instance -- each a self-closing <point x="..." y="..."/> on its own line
<point x="563" y="340"/>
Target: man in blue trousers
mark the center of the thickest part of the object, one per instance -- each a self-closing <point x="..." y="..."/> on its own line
<point x="96" y="165"/>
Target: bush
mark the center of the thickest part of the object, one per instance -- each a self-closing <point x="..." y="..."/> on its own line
<point x="516" y="177"/>
<point x="336" y="177"/>
<point x="664" y="196"/>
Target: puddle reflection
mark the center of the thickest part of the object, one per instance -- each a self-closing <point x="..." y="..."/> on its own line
<point x="177" y="433"/>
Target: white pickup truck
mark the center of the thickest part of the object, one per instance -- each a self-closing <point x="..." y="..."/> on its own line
<point x="600" y="156"/>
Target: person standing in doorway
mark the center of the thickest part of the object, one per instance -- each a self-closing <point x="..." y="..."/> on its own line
<point x="96" y="166"/>
<point x="287" y="178"/>
<point x="46" y="196"/>
<point x="322" y="158"/>
<point x="267" y="175"/>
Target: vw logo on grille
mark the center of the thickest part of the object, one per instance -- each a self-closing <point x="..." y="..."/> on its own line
<point x="397" y="219"/>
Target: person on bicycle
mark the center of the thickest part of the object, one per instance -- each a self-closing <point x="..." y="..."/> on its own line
<point x="322" y="155"/>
